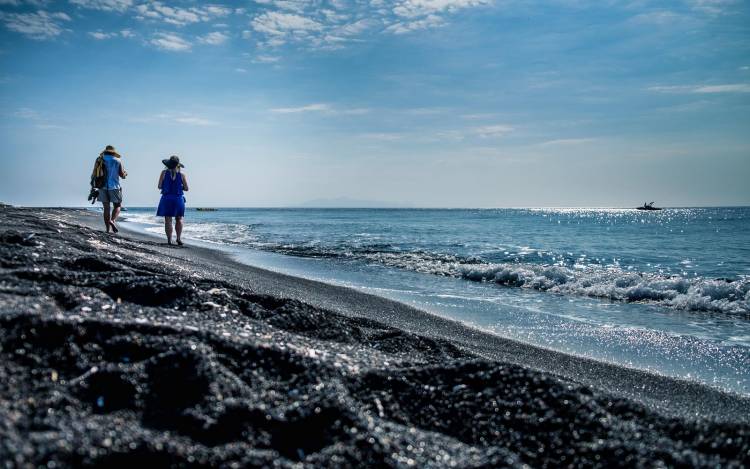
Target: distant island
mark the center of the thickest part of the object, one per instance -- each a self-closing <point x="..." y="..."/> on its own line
<point x="345" y="202"/>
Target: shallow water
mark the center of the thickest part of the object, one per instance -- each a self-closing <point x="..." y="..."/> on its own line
<point x="666" y="291"/>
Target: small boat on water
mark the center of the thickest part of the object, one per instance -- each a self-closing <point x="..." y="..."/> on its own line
<point x="206" y="209"/>
<point x="648" y="206"/>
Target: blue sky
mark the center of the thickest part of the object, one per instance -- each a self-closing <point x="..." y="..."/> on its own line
<point x="447" y="103"/>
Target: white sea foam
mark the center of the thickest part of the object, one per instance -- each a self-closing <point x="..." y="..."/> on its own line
<point x="583" y="279"/>
<point x="217" y="233"/>
<point x="613" y="283"/>
<point x="696" y="294"/>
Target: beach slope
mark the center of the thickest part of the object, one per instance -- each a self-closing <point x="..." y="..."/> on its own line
<point x="116" y="349"/>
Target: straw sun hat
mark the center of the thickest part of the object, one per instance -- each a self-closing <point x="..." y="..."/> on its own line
<point x="110" y="150"/>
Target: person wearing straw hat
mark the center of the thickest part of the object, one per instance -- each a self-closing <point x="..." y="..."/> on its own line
<point x="109" y="169"/>
<point x="172" y="184"/>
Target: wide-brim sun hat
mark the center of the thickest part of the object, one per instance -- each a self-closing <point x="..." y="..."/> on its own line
<point x="173" y="162"/>
<point x="110" y="150"/>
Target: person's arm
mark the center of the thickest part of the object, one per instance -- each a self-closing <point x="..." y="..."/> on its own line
<point x="184" y="182"/>
<point x="161" y="179"/>
<point x="123" y="173"/>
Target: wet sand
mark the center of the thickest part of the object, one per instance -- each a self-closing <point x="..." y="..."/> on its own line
<point x="119" y="349"/>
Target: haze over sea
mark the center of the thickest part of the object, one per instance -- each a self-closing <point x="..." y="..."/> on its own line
<point x="665" y="291"/>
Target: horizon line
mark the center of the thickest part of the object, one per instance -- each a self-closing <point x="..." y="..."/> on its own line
<point x="303" y="207"/>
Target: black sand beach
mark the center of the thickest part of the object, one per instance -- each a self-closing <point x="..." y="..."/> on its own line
<point x="118" y="350"/>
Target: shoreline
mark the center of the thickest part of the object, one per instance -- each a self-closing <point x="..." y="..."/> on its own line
<point x="669" y="395"/>
<point x="358" y="357"/>
<point x="659" y="394"/>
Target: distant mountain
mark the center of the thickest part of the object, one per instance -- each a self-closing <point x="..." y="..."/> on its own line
<point x="345" y="202"/>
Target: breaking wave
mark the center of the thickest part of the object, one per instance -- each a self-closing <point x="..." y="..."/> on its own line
<point x="608" y="282"/>
<point x="695" y="294"/>
<point x="611" y="282"/>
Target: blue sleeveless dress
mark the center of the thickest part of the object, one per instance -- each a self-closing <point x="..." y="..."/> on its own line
<point x="172" y="203"/>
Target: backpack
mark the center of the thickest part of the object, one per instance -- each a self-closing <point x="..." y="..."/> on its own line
<point x="99" y="174"/>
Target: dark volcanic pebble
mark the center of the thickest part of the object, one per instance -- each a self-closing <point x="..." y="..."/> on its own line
<point x="112" y="353"/>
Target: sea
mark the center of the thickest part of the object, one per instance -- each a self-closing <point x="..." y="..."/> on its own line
<point x="666" y="291"/>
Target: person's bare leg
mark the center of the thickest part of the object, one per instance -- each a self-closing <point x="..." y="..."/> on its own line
<point x="115" y="213"/>
<point x="105" y="212"/>
<point x="178" y="229"/>
<point x="113" y="217"/>
<point x="168" y="228"/>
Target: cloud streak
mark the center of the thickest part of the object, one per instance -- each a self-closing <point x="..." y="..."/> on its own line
<point x="567" y="142"/>
<point x="492" y="131"/>
<point x="101" y="35"/>
<point x="333" y="24"/>
<point x="104" y="5"/>
<point x="176" y="118"/>
<point x="271" y="24"/>
<point x="39" y="25"/>
<point x="214" y="38"/>
<point x="296" y="110"/>
<point x="178" y="16"/>
<point x="171" y="42"/>
<point x="703" y="89"/>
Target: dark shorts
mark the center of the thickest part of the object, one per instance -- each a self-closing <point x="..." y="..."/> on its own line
<point x="110" y="196"/>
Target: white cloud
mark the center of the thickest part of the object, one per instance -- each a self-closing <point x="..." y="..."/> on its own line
<point x="275" y="29"/>
<point x="425" y="111"/>
<point x="36" y="118"/>
<point x="170" y="42"/>
<point x="416" y="8"/>
<point x="158" y="11"/>
<point x="713" y="7"/>
<point x="105" y="5"/>
<point x="403" y="27"/>
<point x="100" y="35"/>
<point x="322" y="108"/>
<point x="280" y="24"/>
<point x="217" y="11"/>
<point x="358" y="111"/>
<point x="703" y="89"/>
<point x="46" y="126"/>
<point x="383" y="136"/>
<point x="309" y="108"/>
<point x="38" y="25"/>
<point x="15" y="3"/>
<point x="567" y="142"/>
<point x="192" y="120"/>
<point x="266" y="59"/>
<point x="176" y="118"/>
<point x="735" y="88"/>
<point x="659" y="18"/>
<point x="357" y="27"/>
<point x="477" y="116"/>
<point x="492" y="131"/>
<point x="333" y="24"/>
<point x="214" y="38"/>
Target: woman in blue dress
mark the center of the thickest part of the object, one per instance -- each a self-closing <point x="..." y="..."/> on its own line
<point x="172" y="183"/>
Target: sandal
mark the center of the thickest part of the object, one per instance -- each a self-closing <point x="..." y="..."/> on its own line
<point x="114" y="227"/>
